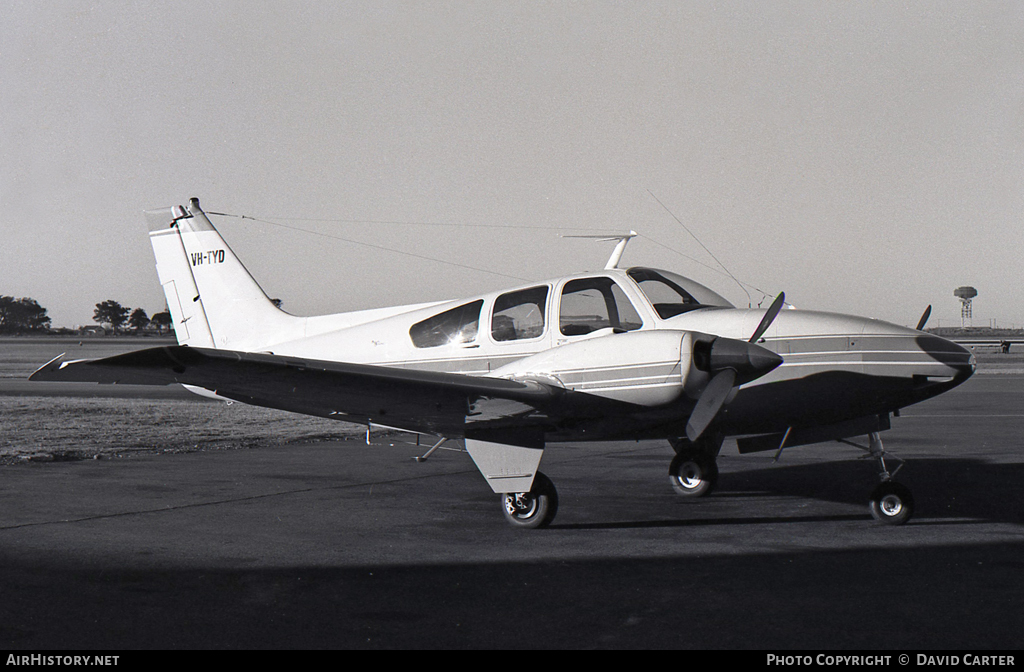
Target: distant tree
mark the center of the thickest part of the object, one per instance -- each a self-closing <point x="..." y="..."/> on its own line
<point x="112" y="313"/>
<point x="138" y="320"/>
<point x="162" y="320"/>
<point x="22" y="315"/>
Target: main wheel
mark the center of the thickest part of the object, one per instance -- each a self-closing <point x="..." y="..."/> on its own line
<point x="693" y="474"/>
<point x="533" y="509"/>
<point x="891" y="503"/>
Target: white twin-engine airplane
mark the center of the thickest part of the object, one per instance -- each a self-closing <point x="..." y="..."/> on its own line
<point x="617" y="354"/>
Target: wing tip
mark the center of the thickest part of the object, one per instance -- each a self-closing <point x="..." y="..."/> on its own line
<point x="44" y="371"/>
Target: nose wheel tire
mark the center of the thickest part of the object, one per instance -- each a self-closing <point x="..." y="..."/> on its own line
<point x="692" y="474"/>
<point x="533" y="509"/>
<point x="891" y="503"/>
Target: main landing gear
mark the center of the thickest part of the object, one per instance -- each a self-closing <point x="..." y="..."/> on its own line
<point x="528" y="498"/>
<point x="694" y="470"/>
<point x="533" y="509"/>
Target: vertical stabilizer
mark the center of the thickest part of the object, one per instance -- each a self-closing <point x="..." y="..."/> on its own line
<point x="213" y="300"/>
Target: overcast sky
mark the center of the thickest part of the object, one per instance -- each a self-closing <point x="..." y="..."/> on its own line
<point x="864" y="157"/>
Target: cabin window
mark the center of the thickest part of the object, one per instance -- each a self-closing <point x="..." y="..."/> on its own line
<point x="667" y="298"/>
<point x="519" y="315"/>
<point x="458" y="325"/>
<point x="590" y="304"/>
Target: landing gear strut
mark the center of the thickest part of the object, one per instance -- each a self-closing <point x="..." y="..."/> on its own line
<point x="891" y="503"/>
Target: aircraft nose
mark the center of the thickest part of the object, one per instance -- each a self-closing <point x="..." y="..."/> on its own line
<point x="958" y="358"/>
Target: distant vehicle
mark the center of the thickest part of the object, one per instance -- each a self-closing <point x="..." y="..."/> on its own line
<point x="1001" y="342"/>
<point x="635" y="353"/>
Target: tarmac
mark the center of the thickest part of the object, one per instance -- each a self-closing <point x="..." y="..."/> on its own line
<point x="349" y="546"/>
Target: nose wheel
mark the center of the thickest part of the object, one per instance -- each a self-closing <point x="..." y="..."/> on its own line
<point x="891" y="503"/>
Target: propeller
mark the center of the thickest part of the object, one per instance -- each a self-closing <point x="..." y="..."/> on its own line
<point x="769" y="317"/>
<point x="924" y="318"/>
<point x="731" y="362"/>
<point x="711" y="400"/>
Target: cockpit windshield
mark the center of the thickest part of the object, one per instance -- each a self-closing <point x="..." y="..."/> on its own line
<point x="672" y="294"/>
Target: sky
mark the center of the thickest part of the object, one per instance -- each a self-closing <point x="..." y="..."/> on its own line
<point x="863" y="157"/>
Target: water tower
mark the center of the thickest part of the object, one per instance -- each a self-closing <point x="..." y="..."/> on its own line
<point x="965" y="294"/>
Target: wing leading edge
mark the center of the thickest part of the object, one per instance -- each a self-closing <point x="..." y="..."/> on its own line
<point x="427" y="401"/>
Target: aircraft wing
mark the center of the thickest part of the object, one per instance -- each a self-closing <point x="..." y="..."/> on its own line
<point x="427" y="401"/>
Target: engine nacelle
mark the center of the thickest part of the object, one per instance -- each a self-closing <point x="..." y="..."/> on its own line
<point x="647" y="368"/>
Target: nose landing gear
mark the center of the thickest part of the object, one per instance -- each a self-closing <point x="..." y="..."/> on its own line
<point x="891" y="503"/>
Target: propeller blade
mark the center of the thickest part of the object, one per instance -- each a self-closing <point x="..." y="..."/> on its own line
<point x="924" y="318"/>
<point x="769" y="317"/>
<point x="709" y="403"/>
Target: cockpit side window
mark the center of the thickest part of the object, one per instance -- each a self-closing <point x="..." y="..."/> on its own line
<point x="668" y="298"/>
<point x="589" y="304"/>
<point x="519" y="315"/>
<point x="458" y="325"/>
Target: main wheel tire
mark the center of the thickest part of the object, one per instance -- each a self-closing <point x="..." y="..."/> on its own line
<point x="891" y="503"/>
<point x="533" y="509"/>
<point x="692" y="474"/>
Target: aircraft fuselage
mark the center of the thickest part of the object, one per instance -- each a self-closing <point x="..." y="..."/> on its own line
<point x="835" y="367"/>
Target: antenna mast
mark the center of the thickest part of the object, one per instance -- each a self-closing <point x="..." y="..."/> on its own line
<point x="613" y="261"/>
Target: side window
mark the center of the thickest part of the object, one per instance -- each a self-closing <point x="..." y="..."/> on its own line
<point x="519" y="315"/>
<point x="458" y="325"/>
<point x="589" y="304"/>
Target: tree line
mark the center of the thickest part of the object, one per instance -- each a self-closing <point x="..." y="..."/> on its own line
<point x="26" y="316"/>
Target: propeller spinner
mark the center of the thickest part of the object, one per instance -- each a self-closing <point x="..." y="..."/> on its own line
<point x="732" y="363"/>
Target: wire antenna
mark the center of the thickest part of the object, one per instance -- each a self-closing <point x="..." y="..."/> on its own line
<point x="371" y="245"/>
<point x="750" y="301"/>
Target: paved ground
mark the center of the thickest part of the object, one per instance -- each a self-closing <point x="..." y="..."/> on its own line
<point x="348" y="546"/>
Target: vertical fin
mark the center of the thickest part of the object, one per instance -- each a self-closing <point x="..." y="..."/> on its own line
<point x="213" y="300"/>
